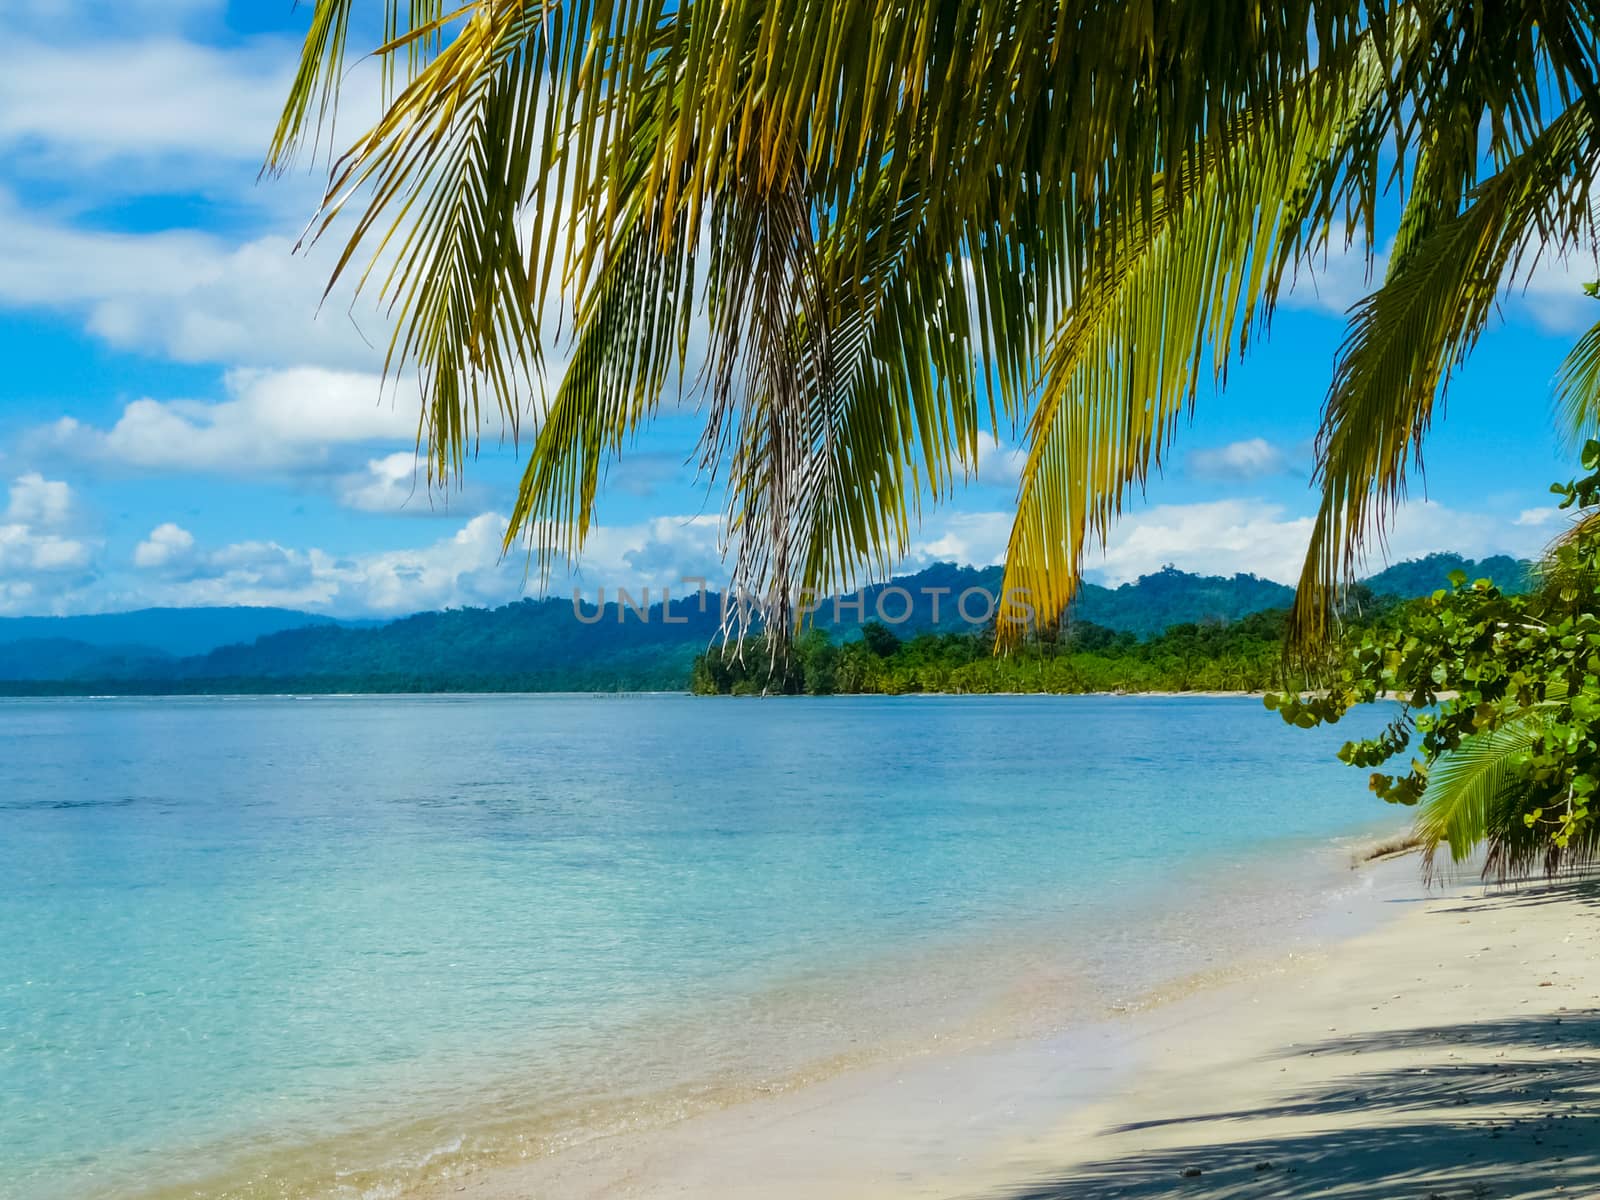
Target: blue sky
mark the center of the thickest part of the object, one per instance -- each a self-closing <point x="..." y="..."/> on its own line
<point x="179" y="424"/>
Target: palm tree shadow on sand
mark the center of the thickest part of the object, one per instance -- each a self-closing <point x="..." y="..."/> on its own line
<point x="1503" y="1124"/>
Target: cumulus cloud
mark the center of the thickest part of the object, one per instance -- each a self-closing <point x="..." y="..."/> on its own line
<point x="1554" y="294"/>
<point x="1426" y="526"/>
<point x="190" y="296"/>
<point x="464" y="568"/>
<point x="655" y="553"/>
<point x="271" y="421"/>
<point x="1540" y="518"/>
<point x="39" y="559"/>
<point x="1253" y="458"/>
<point x="41" y="570"/>
<point x="1224" y="537"/>
<point x="1228" y="536"/>
<point x="386" y="485"/>
<point x="23" y="549"/>
<point x="35" y="500"/>
<point x="168" y="544"/>
<point x="999" y="464"/>
<point x="95" y="103"/>
<point x="975" y="538"/>
<point x="79" y="15"/>
<point x="1220" y="537"/>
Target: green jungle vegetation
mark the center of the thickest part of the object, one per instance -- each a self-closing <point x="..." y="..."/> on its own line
<point x="1497" y="741"/>
<point x="1243" y="655"/>
<point x="1168" y="631"/>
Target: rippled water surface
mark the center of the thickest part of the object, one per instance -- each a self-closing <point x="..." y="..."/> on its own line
<point x="306" y="947"/>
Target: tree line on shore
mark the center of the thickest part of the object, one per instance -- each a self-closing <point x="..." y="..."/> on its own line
<point x="1242" y="655"/>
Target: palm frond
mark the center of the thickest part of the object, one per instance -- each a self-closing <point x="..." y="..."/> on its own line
<point x="1577" y="389"/>
<point x="1128" y="359"/>
<point x="883" y="212"/>
<point x="1408" y="337"/>
<point x="520" y="133"/>
<point x="1469" y="790"/>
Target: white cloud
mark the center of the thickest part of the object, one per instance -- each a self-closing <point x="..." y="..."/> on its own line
<point x="1426" y="526"/>
<point x="32" y="539"/>
<point x="1224" y="537"/>
<point x="464" y="568"/>
<point x="391" y="484"/>
<point x="1253" y="458"/>
<point x="36" y="500"/>
<point x="1539" y="518"/>
<point x="999" y="465"/>
<point x="272" y="421"/>
<point x="1221" y="537"/>
<point x="185" y="295"/>
<point x="654" y="553"/>
<point x="1554" y="295"/>
<point x="1228" y="536"/>
<point x="975" y="538"/>
<point x="23" y="549"/>
<point x="167" y="545"/>
<point x="78" y="15"/>
<point x="95" y="103"/>
<point x="41" y="570"/>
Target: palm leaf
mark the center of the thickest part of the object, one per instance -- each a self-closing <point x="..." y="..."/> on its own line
<point x="1407" y="338"/>
<point x="1578" y="388"/>
<point x="1128" y="358"/>
<point x="1470" y="788"/>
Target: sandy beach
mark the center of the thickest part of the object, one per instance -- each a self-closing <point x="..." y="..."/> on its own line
<point x="1451" y="1051"/>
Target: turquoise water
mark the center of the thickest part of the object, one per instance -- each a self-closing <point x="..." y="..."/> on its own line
<point x="326" y="947"/>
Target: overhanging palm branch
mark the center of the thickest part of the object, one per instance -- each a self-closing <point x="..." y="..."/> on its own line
<point x="898" y="222"/>
<point x="1474" y="794"/>
<point x="1578" y="388"/>
<point x="1408" y="337"/>
<point x="527" y="151"/>
<point x="1477" y="798"/>
<point x="1169" y="297"/>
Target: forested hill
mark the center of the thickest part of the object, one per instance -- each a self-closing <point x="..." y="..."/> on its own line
<point x="1145" y="607"/>
<point x="543" y="645"/>
<point x="153" y="632"/>
<point x="1420" y="576"/>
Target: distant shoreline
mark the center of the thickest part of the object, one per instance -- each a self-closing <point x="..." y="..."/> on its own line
<point x="27" y="690"/>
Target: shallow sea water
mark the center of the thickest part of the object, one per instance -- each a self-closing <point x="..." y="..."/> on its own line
<point x="331" y="946"/>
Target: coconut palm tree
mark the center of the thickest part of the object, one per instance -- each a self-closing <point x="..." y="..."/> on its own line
<point x="860" y="233"/>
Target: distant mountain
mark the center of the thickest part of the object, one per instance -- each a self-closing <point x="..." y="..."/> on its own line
<point x="530" y="645"/>
<point x="65" y="658"/>
<point x="1147" y="606"/>
<point x="173" y="631"/>
<point x="1423" y="576"/>
<point x="544" y="645"/>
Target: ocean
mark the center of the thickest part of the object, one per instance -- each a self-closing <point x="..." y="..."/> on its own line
<point x="334" y="946"/>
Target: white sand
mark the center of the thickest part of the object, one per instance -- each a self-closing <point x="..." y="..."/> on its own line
<point x="1452" y="1052"/>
